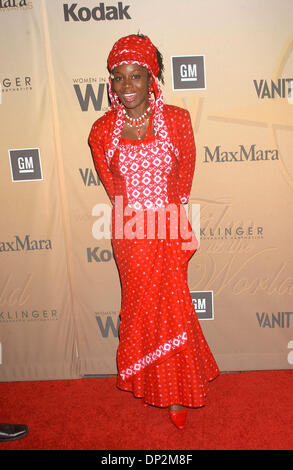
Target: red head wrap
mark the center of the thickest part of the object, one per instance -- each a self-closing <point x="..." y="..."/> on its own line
<point x="136" y="49"/>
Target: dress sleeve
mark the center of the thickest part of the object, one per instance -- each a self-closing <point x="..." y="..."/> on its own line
<point x="186" y="158"/>
<point x="100" y="162"/>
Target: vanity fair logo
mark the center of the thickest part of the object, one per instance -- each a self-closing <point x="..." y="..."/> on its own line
<point x="25" y="164"/>
<point x="279" y="88"/>
<point x="89" y="177"/>
<point x="188" y="72"/>
<point x="275" y="320"/>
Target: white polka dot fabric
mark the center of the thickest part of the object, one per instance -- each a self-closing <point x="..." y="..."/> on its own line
<point x="156" y="310"/>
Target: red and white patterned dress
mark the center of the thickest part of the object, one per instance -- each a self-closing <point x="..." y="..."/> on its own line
<point x="162" y="355"/>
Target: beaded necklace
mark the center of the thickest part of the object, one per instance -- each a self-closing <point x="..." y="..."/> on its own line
<point x="137" y="122"/>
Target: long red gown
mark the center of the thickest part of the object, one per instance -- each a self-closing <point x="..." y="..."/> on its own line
<point x="162" y="355"/>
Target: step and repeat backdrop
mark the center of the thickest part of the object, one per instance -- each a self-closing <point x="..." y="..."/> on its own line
<point x="230" y="63"/>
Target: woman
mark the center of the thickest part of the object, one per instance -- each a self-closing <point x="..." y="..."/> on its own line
<point x="144" y="153"/>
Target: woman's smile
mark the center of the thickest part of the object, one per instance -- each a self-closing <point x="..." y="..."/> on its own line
<point x="129" y="97"/>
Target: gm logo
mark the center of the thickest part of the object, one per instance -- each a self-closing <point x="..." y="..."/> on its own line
<point x="203" y="303"/>
<point x="188" y="72"/>
<point x="25" y="164"/>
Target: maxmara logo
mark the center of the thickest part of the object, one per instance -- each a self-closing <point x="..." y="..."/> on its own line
<point x="243" y="154"/>
<point x="74" y="12"/>
<point x="24" y="244"/>
<point x="13" y="4"/>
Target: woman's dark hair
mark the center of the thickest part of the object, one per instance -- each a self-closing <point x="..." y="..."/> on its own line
<point x="160" y="61"/>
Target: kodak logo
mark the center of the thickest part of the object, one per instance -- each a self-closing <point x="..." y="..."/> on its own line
<point x="99" y="13"/>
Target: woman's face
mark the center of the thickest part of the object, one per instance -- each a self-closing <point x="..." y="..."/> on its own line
<point x="131" y="82"/>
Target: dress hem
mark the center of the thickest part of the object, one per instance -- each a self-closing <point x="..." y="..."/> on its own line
<point x="200" y="404"/>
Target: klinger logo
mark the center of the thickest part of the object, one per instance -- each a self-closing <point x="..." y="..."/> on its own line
<point x="203" y="304"/>
<point x="188" y="72"/>
<point x="25" y="164"/>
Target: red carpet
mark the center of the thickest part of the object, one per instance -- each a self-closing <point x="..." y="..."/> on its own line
<point x="245" y="411"/>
